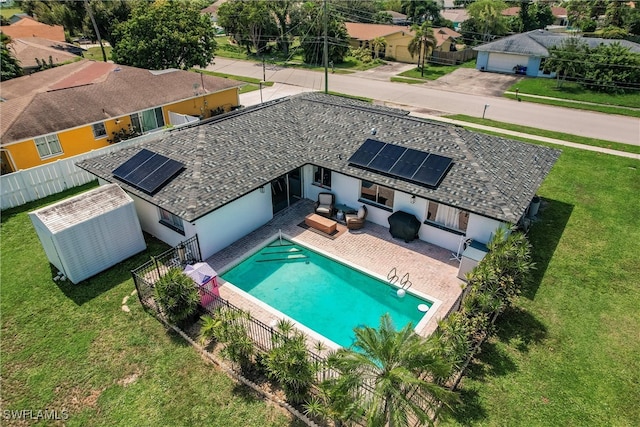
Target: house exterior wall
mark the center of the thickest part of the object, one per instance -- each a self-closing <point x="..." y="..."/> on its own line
<point x="397" y="47"/>
<point x="80" y="139"/>
<point x="347" y="191"/>
<point x="203" y="105"/>
<point x="224" y="226"/>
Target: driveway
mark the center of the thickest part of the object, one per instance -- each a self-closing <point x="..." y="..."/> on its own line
<point x="385" y="72"/>
<point x="474" y="82"/>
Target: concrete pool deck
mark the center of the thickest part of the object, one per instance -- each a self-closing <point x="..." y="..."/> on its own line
<point x="371" y="248"/>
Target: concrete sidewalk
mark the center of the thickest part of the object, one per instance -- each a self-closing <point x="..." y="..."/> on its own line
<point x="280" y="90"/>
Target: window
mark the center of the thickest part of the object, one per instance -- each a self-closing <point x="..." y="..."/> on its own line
<point x="147" y="120"/>
<point x="447" y="216"/>
<point x="376" y="193"/>
<point x="171" y="221"/>
<point x="322" y="176"/>
<point x="99" y="131"/>
<point x="48" y="145"/>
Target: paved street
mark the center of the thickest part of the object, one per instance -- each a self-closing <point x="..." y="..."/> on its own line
<point x="576" y="122"/>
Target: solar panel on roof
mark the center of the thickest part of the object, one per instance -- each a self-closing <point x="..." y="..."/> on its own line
<point x="125" y="169"/>
<point x="400" y="162"/>
<point x="386" y="158"/>
<point x="408" y="164"/>
<point x="432" y="170"/>
<point x="153" y="182"/>
<point x="148" y="171"/>
<point x="366" y="152"/>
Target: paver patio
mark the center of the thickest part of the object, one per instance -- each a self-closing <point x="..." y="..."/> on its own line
<point x="371" y="248"/>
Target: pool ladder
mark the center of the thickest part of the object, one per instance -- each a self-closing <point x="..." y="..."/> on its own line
<point x="392" y="278"/>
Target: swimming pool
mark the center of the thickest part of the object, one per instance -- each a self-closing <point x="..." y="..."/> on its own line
<point x="321" y="293"/>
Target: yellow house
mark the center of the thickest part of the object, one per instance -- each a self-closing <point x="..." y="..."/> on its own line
<point x="397" y="39"/>
<point x="79" y="107"/>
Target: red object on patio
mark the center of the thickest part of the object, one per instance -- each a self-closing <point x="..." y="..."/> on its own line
<point x="207" y="280"/>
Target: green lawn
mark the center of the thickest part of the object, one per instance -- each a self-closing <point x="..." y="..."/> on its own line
<point x="569" y="355"/>
<point x="549" y="134"/>
<point x="95" y="53"/>
<point x="607" y="103"/>
<point x="8" y="12"/>
<point x="71" y="347"/>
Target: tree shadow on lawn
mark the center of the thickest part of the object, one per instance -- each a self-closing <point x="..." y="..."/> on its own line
<point x="519" y="329"/>
<point x="544" y="235"/>
<point x="468" y="409"/>
<point x="106" y="280"/>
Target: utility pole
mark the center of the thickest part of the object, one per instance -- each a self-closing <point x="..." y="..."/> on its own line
<point x="95" y="28"/>
<point x="326" y="51"/>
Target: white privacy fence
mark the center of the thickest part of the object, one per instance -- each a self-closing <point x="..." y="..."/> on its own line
<point x="20" y="187"/>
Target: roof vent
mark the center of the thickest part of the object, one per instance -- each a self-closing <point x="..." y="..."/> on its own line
<point x="374" y="131"/>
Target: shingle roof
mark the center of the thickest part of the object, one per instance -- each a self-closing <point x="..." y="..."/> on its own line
<point x="537" y="43"/>
<point x="362" y="31"/>
<point x="28" y="49"/>
<point x="29" y="27"/>
<point x="87" y="92"/>
<point x="232" y="155"/>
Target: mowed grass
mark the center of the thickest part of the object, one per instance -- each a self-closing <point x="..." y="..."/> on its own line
<point x="71" y="347"/>
<point x="8" y="12"/>
<point x="568" y="356"/>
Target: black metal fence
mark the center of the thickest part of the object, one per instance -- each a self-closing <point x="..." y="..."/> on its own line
<point x="145" y="276"/>
<point x="262" y="335"/>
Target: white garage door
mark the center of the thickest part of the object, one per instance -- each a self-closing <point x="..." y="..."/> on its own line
<point x="504" y="62"/>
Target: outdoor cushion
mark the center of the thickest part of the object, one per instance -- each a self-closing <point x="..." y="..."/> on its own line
<point x="361" y="212"/>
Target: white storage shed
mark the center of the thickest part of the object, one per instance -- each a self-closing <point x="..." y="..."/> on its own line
<point x="89" y="233"/>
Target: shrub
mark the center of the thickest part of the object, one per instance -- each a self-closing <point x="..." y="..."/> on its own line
<point x="177" y="296"/>
<point x="229" y="328"/>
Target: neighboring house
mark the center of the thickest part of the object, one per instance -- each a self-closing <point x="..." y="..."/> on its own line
<point x="78" y="107"/>
<point x="397" y="38"/>
<point x="29" y="27"/>
<point x="456" y="16"/>
<point x="530" y="50"/>
<point x="446" y="39"/>
<point x="559" y="14"/>
<point x="234" y="172"/>
<point x="398" y="18"/>
<point x="29" y="51"/>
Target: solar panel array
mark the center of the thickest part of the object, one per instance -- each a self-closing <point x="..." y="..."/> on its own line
<point x="401" y="162"/>
<point x="148" y="171"/>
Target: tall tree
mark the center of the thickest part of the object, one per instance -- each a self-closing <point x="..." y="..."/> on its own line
<point x="10" y="67"/>
<point x="567" y="59"/>
<point x="421" y="10"/>
<point x="165" y="34"/>
<point x="250" y="23"/>
<point x="396" y="365"/>
<point x="422" y="43"/>
<point x="612" y="68"/>
<point x="281" y="10"/>
<point x="312" y="33"/>
<point x="108" y="14"/>
<point x="488" y="16"/>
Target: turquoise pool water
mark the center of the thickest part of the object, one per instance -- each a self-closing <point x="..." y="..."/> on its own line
<point x="321" y="293"/>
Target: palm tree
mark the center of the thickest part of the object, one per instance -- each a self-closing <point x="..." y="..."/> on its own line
<point x="389" y="374"/>
<point x="422" y="43"/>
<point x="378" y="44"/>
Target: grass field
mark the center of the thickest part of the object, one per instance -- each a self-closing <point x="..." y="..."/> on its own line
<point x="95" y="53"/>
<point x="71" y="347"/>
<point x="8" y="12"/>
<point x="569" y="354"/>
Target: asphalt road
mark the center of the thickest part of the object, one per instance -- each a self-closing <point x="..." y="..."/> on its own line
<point x="421" y="97"/>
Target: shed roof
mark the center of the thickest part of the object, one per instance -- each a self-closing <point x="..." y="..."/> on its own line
<point x="234" y="154"/>
<point x="83" y="207"/>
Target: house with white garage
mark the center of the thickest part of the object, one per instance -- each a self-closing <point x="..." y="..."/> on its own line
<point x="525" y="53"/>
<point x="226" y="176"/>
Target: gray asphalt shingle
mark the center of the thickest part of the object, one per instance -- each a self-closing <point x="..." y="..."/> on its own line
<point x="232" y="155"/>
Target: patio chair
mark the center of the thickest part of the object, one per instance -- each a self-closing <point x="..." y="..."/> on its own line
<point x="356" y="221"/>
<point x="325" y="204"/>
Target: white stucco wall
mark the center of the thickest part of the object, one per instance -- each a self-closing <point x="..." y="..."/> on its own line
<point x="481" y="228"/>
<point x="224" y="226"/>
